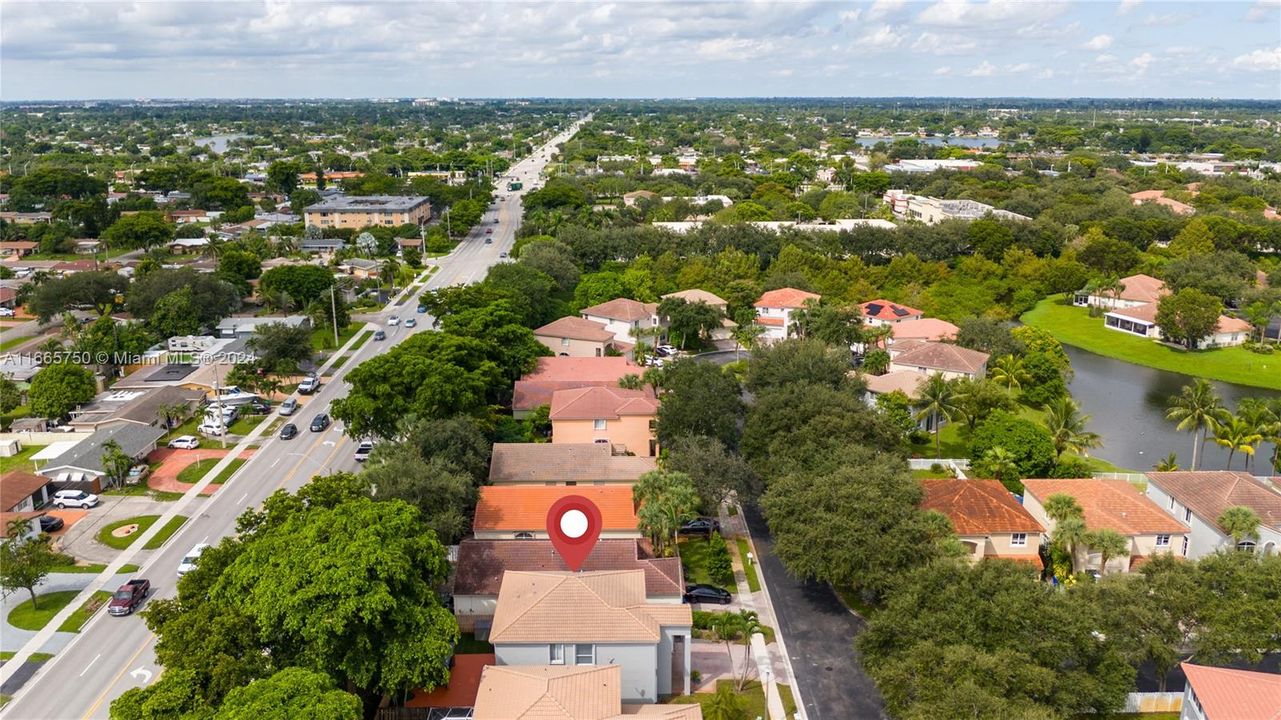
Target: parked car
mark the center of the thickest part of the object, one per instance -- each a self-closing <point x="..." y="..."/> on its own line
<point x="707" y="594"/>
<point x="411" y="323"/>
<point x="422" y="309"/>
<point x="489" y="231"/>
<point x="259" y="407"/>
<point x="6" y="312"/>
<point x="49" y="523"/>
<point x="309" y="385"/>
<point x="289" y="407"/>
<point x="502" y="254"/>
<point x="363" y="449"/>
<point x="191" y="558"/>
<point x="319" y="423"/>
<point x="380" y="335"/>
<point x="128" y="597"/>
<point x="185" y="442"/>
<point x="137" y="474"/>
<point x="227" y="413"/>
<point x="289" y="431"/>
<point x="700" y="526"/>
<point x="212" y="428"/>
<point x="74" y="498"/>
<point x="393" y="320"/>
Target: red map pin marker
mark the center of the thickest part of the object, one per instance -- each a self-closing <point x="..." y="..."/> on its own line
<point x="574" y="524"/>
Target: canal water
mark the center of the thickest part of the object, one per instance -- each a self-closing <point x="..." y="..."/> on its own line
<point x="1127" y="405"/>
<point x="219" y="143"/>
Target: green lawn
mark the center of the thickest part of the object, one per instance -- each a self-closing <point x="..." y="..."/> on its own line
<point x="85" y="611"/>
<point x="25" y="617"/>
<point x="140" y="490"/>
<point x="187" y="428"/>
<point x="928" y="474"/>
<point x="228" y="471"/>
<point x="120" y="543"/>
<point x="21" y="461"/>
<point x="322" y="338"/>
<point x="11" y="342"/>
<point x="361" y="342"/>
<point x="245" y="424"/>
<point x="196" y="470"/>
<point x="165" y="532"/>
<point x="749" y="568"/>
<point x="694" y="554"/>
<point x="752" y="697"/>
<point x="36" y="658"/>
<point x="92" y="569"/>
<point x="1074" y="326"/>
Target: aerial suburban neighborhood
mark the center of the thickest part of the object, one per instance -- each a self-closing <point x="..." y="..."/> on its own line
<point x="575" y="361"/>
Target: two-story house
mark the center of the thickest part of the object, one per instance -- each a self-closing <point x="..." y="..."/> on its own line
<point x="595" y="618"/>
<point x="565" y="464"/>
<point x="576" y="337"/>
<point x="1113" y="505"/>
<point x="1199" y="498"/>
<point x="884" y="312"/>
<point x="774" y="311"/>
<point x="607" y="416"/>
<point x="519" y="512"/>
<point x="566" y="373"/>
<point x="1229" y="694"/>
<point x="928" y="358"/>
<point x="989" y="521"/>
<point x="626" y="319"/>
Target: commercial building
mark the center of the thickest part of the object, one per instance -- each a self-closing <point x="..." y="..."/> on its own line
<point x="343" y="211"/>
<point x="931" y="211"/>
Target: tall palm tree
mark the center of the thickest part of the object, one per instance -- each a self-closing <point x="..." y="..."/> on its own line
<point x="1241" y="522"/>
<point x="1108" y="544"/>
<point x="1237" y="435"/>
<point x="1259" y="414"/>
<point x="750" y="624"/>
<point x="1195" y="410"/>
<point x="1169" y="463"/>
<point x="1009" y="372"/>
<point x="1069" y="533"/>
<point x="1067" y="427"/>
<point x="1061" y="506"/>
<point x="937" y="401"/>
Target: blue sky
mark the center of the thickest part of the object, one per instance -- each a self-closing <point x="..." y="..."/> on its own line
<point x="279" y="48"/>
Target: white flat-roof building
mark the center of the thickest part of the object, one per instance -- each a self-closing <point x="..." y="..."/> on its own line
<point x="930" y="210"/>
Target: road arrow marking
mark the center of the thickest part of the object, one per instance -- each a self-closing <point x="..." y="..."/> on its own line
<point x="143" y="672"/>
<point x="330" y="443"/>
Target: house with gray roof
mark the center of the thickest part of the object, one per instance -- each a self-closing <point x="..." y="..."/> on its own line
<point x="81" y="465"/>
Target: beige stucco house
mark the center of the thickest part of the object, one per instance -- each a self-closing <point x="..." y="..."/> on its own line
<point x="606" y="416"/>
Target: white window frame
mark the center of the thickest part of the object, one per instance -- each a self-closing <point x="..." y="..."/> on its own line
<point x="1165" y="544"/>
<point x="1187" y="515"/>
<point x="1171" y="502"/>
<point x="600" y="424"/>
<point x="555" y="654"/>
<point x="578" y="654"/>
<point x="1018" y="539"/>
<point x="564" y="342"/>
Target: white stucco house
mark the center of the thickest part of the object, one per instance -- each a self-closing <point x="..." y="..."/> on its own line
<point x="624" y="318"/>
<point x="1197" y="499"/>
<point x="774" y="311"/>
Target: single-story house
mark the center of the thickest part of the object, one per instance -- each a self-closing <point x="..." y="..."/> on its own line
<point x="631" y="198"/>
<point x="88" y="246"/>
<point x="478" y="572"/>
<point x="624" y="318"/>
<point x="576" y="337"/>
<point x="1199" y="498"/>
<point x="952" y="361"/>
<point x="30" y="527"/>
<point x="244" y="326"/>
<point x="81" y="467"/>
<point x="1113" y="505"/>
<point x="18" y="368"/>
<point x="1141" y="320"/>
<point x="613" y="623"/>
<point x="321" y="245"/>
<point x="22" y="491"/>
<point x="987" y="518"/>
<point x="361" y="267"/>
<point x="565" y="464"/>
<point x="1135" y="290"/>
<point x="8" y="297"/>
<point x="18" y="248"/>
<point x="1158" y="197"/>
<point x="609" y="416"/>
<point x="138" y="406"/>
<point x="566" y="373"/>
<point x="1229" y="694"/>
<point x="565" y="692"/>
<point x="518" y="512"/>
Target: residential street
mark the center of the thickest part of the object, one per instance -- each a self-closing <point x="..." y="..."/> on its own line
<point x="819" y="632"/>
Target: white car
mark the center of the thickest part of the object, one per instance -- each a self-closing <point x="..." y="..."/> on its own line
<point x="191" y="558"/>
<point x="74" y="498"/>
<point x="363" y="450"/>
<point x="6" y="312"/>
<point x="210" y="428"/>
<point x="227" y="412"/>
<point x="393" y="320"/>
<point x="185" y="442"/>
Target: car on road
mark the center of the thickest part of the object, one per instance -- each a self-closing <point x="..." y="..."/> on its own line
<point x="74" y="498"/>
<point x="363" y="449"/>
<point x="6" y="312"/>
<point x="422" y="309"/>
<point x="192" y="557"/>
<point x="380" y="335"/>
<point x="128" y="597"/>
<point x="707" y="595"/>
<point x="319" y="423"/>
<point x="289" y="407"/>
<point x="185" y="442"/>
<point x="489" y="231"/>
<point x="393" y="320"/>
<point x="309" y="385"/>
<point x="289" y="431"/>
<point x="49" y="523"/>
<point x="700" y="526"/>
<point x="502" y="254"/>
<point x="489" y="241"/>
<point x="411" y="323"/>
<point x="666" y="350"/>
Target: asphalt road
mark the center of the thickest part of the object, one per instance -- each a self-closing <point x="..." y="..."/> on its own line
<point x="820" y="639"/>
<point x="112" y="655"/>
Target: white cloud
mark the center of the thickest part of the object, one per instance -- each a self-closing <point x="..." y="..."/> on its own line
<point x="1105" y="59"/>
<point x="990" y="14"/>
<point x="1018" y="69"/>
<point x="884" y="37"/>
<point x="1098" y="42"/>
<point x="944" y="70"/>
<point x="1263" y="10"/>
<point x="1165" y="19"/>
<point x="1267" y="59"/>
<point x="884" y="8"/>
<point x="936" y="44"/>
<point x="849" y="17"/>
<point x="730" y="48"/>
<point x="984" y="69"/>
<point x="1045" y="74"/>
<point x="1127" y="6"/>
<point x="1141" y="62"/>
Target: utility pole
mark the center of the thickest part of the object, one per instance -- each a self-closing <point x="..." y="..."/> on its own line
<point x="333" y="311"/>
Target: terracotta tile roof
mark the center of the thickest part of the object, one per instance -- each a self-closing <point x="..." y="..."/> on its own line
<point x="589" y="403"/>
<point x="886" y="310"/>
<point x="1112" y="504"/>
<point x="481" y="563"/>
<point x="519" y="463"/>
<point x="1209" y="492"/>
<point x="777" y="322"/>
<point x="19" y="245"/>
<point x="1146" y="313"/>
<point x="606" y="607"/>
<point x="624" y="309"/>
<point x="931" y="329"/>
<point x="1227" y="694"/>
<point x="697" y="295"/>
<point x="518" y="508"/>
<point x="567" y="373"/>
<point x="18" y="486"/>
<point x="786" y="298"/>
<point x="9" y="517"/>
<point x="1142" y="288"/>
<point x="464" y="682"/>
<point x="904" y="381"/>
<point x="575" y="328"/>
<point x="978" y="507"/>
<point x="943" y="356"/>
<point x="1228" y="324"/>
<point x="564" y="692"/>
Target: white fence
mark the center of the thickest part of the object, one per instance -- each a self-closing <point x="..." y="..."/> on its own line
<point x="957" y="466"/>
<point x="1153" y="702"/>
<point x="29" y="438"/>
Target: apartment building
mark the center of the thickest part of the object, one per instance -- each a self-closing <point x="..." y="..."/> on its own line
<point x="342" y="211"/>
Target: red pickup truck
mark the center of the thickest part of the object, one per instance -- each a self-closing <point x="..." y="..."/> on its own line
<point x="128" y="597"/>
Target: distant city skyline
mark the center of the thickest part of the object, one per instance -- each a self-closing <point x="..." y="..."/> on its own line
<point x="953" y="48"/>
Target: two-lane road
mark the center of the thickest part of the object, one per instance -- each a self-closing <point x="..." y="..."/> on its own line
<point x="112" y="655"/>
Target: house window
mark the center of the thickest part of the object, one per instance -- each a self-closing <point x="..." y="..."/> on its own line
<point x="1018" y="539"/>
<point x="1171" y="503"/>
<point x="555" y="654"/>
<point x="524" y="536"/>
<point x="584" y="654"/>
<point x="1245" y="546"/>
<point x="564" y="342"/>
<point x="1185" y="546"/>
<point x="1163" y="541"/>
<point x="1187" y="516"/>
<point x="598" y="424"/>
<point x="601" y="441"/>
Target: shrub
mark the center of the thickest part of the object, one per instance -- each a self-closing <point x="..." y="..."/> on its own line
<point x="1029" y="443"/>
<point x="719" y="565"/>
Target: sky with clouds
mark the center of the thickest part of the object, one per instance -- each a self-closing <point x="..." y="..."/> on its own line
<point x="283" y="48"/>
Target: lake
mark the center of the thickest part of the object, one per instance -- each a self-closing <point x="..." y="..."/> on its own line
<point x="219" y="143"/>
<point x="1128" y="403"/>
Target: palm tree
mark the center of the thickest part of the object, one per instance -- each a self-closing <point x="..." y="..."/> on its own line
<point x="631" y="381"/>
<point x="876" y="362"/>
<point x="746" y="335"/>
<point x="1068" y="534"/>
<point x="1261" y="416"/>
<point x="1195" y="409"/>
<point x="1236" y="434"/>
<point x="1241" y="522"/>
<point x="749" y="624"/>
<point x="938" y="402"/>
<point x="1108" y="544"/>
<point x="1061" y="506"/>
<point x="1067" y="427"/>
<point x="1009" y="372"/>
<point x="724" y="705"/>
<point x="1170" y="463"/>
<point x="1001" y="464"/>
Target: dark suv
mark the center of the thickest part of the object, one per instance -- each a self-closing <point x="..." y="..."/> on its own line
<point x="319" y="423"/>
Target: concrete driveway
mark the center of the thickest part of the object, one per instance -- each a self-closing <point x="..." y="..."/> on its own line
<point x="820" y="633"/>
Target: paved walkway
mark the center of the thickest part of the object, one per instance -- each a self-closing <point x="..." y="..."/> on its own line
<point x="12" y="638"/>
<point x="165" y="477"/>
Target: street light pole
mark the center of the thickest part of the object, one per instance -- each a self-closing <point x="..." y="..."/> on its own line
<point x="333" y="311"/>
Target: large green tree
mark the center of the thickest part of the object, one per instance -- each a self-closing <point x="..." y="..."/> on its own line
<point x="1188" y="316"/>
<point x="97" y="290"/>
<point x="716" y="473"/>
<point x="699" y="399"/>
<point x="303" y="283"/>
<point x="25" y="562"/>
<point x="140" y="230"/>
<point x="59" y="388"/>
<point x="797" y="361"/>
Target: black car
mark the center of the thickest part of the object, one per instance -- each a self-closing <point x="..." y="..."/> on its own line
<point x="319" y="423"/>
<point x="700" y="526"/>
<point x="707" y="594"/>
<point x="258" y="407"/>
<point x="49" y="523"/>
<point x="289" y="431"/>
<point x="380" y="335"/>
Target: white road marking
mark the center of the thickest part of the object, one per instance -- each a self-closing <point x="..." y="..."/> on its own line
<point x="144" y="672"/>
<point x="242" y="498"/>
<point x="91" y="662"/>
<point x="276" y="463"/>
